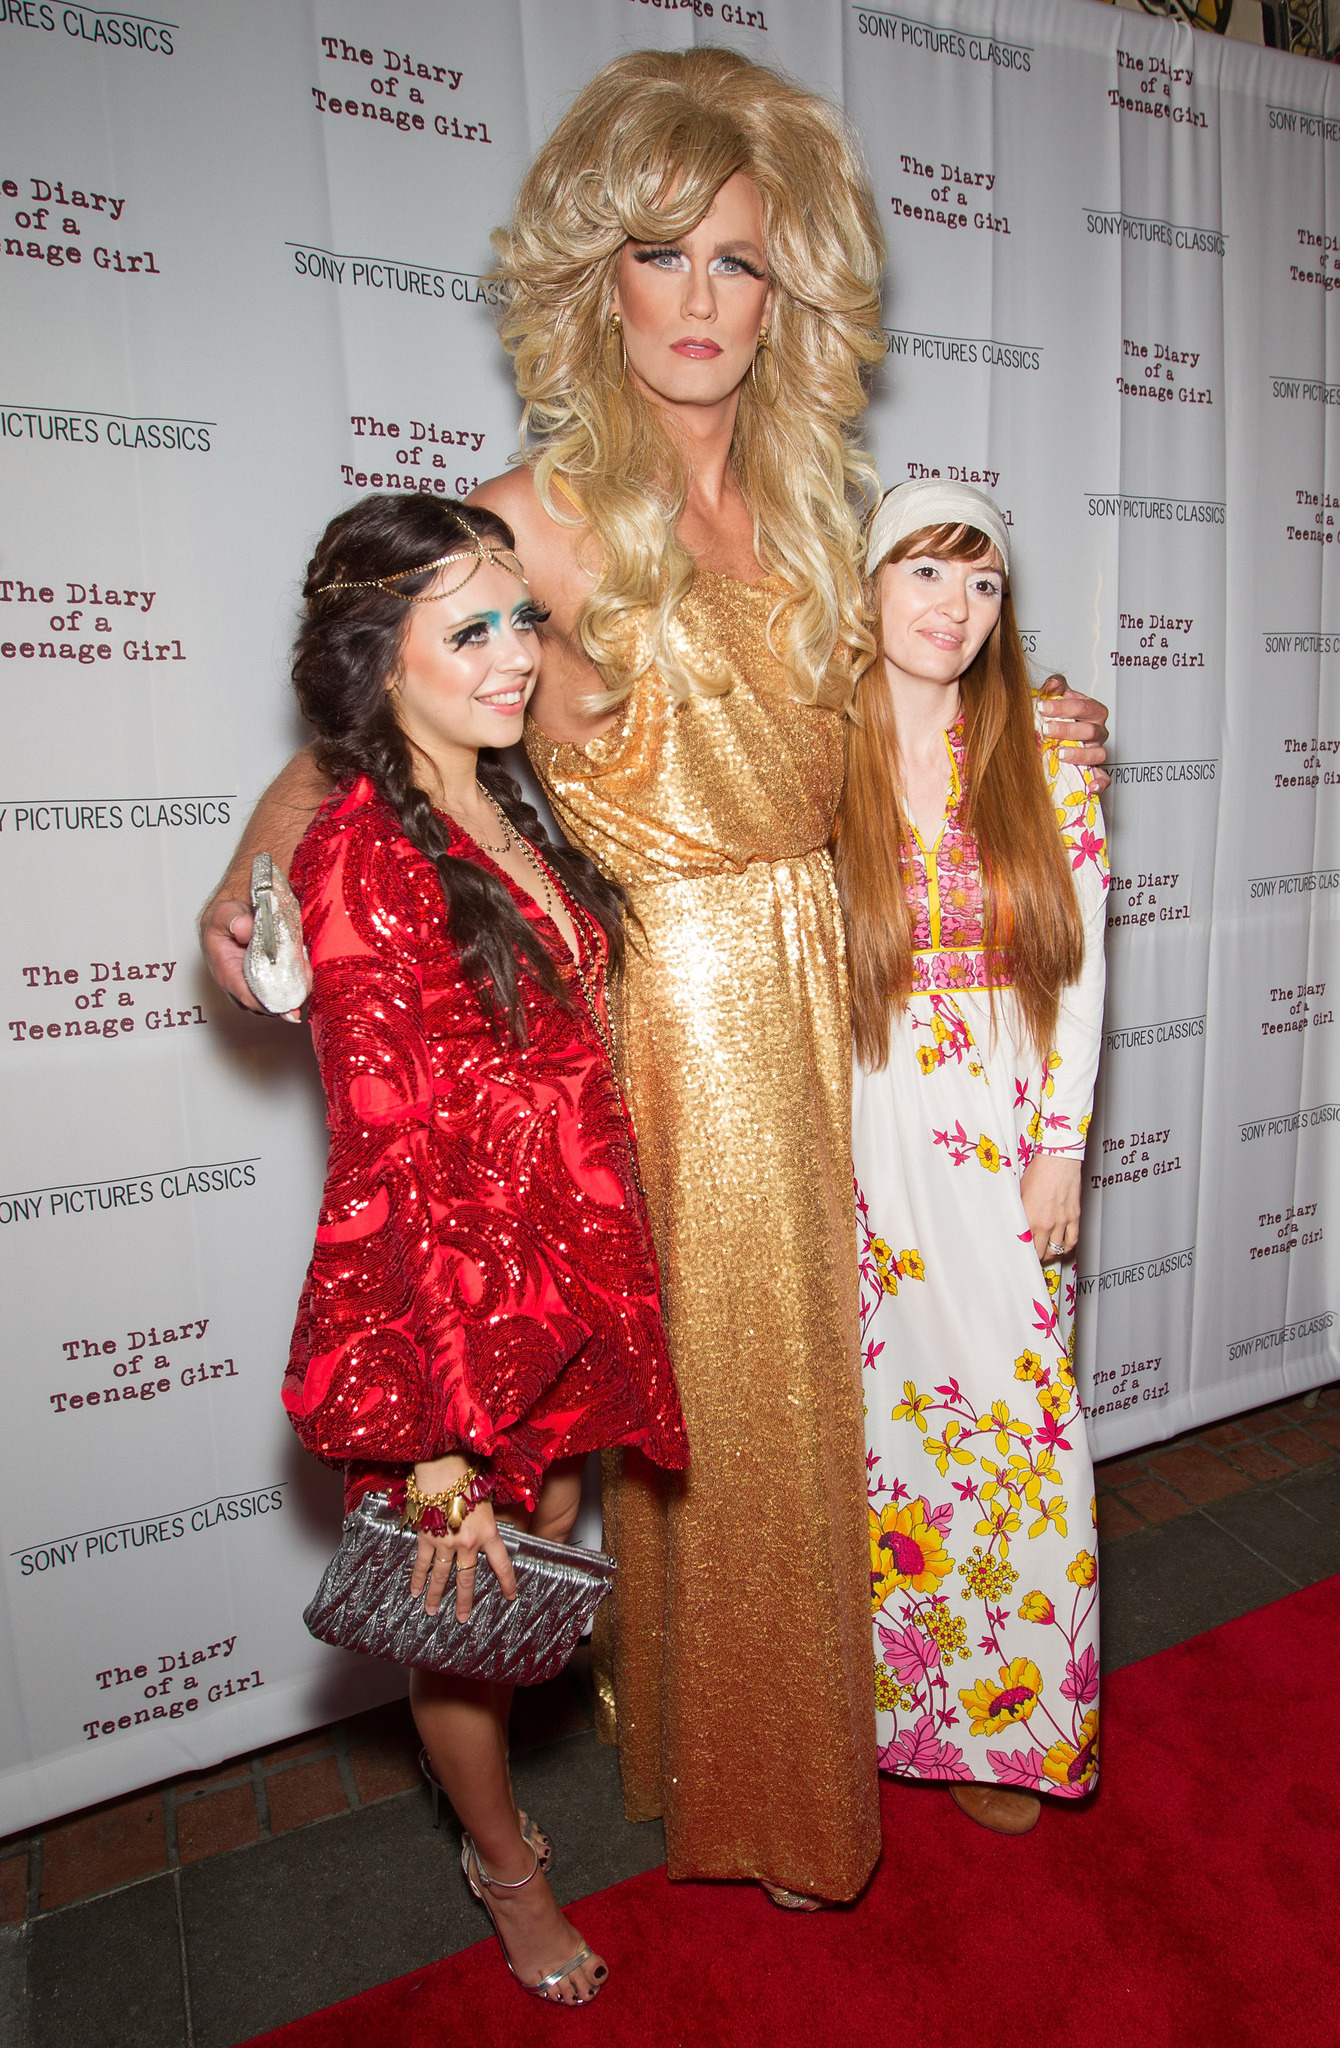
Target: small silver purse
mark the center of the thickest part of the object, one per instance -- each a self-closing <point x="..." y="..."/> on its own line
<point x="364" y="1602"/>
<point x="277" y="969"/>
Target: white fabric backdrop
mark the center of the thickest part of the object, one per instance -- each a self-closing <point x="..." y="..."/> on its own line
<point x="243" y="252"/>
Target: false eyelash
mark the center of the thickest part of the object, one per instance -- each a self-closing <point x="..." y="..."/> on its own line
<point x="532" y="615"/>
<point x="650" y="255"/>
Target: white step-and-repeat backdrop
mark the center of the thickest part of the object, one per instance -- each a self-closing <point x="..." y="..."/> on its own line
<point x="244" y="254"/>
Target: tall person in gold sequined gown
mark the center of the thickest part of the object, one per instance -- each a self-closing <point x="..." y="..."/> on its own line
<point x="692" y="275"/>
<point x="693" y="268"/>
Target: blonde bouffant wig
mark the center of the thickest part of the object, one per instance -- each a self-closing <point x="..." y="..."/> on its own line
<point x="640" y="156"/>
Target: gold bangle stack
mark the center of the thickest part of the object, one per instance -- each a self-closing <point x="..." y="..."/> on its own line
<point x="455" y="1502"/>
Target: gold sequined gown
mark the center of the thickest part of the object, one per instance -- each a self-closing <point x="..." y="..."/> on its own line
<point x="740" y="1626"/>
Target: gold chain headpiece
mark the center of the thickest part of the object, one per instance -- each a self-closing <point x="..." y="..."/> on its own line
<point x="501" y="558"/>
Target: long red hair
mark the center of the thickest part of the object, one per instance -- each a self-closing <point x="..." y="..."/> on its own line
<point x="1034" y="937"/>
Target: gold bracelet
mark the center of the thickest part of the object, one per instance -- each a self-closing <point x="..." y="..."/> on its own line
<point x="454" y="1504"/>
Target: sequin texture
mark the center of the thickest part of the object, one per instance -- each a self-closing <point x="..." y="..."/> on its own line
<point x="741" y="1649"/>
<point x="484" y="1278"/>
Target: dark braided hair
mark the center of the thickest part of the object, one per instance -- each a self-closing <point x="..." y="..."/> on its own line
<point x="347" y="649"/>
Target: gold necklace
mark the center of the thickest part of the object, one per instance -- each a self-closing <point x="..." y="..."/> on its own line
<point x="514" y="841"/>
<point x="540" y="870"/>
<point x="483" y="843"/>
<point x="589" y="994"/>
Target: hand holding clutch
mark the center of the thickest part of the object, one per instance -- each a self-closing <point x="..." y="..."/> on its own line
<point x="365" y="1602"/>
<point x="277" y="969"/>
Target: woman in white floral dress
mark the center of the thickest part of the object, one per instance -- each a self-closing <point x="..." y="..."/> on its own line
<point x="974" y="875"/>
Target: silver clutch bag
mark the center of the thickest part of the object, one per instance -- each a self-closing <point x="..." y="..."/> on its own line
<point x="364" y="1602"/>
<point x="276" y="966"/>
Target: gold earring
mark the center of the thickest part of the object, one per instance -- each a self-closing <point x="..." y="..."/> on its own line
<point x="616" y="327"/>
<point x="763" y="352"/>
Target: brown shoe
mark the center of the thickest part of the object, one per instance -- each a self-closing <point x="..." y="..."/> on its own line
<point x="991" y="1806"/>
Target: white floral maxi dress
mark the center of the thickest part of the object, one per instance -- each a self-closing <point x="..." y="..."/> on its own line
<point x="983" y="1562"/>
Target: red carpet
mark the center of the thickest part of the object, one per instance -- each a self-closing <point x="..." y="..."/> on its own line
<point x="1195" y="1903"/>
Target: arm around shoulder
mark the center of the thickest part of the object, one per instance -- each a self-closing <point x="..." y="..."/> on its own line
<point x="1079" y="723"/>
<point x="276" y="825"/>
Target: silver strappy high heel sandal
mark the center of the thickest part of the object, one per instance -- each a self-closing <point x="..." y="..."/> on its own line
<point x="532" y="1834"/>
<point x="481" y="1884"/>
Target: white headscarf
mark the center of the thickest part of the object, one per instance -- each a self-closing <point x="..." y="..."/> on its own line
<point x="929" y="502"/>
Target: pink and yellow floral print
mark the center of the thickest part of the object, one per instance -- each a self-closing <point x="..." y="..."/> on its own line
<point x="907" y="1552"/>
<point x="1005" y="1472"/>
<point x="983" y="1572"/>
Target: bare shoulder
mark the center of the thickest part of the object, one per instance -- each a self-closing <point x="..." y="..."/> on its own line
<point x="512" y="496"/>
<point x="545" y="544"/>
<point x="553" y="550"/>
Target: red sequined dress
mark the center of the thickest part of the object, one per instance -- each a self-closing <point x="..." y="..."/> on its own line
<point x="484" y="1279"/>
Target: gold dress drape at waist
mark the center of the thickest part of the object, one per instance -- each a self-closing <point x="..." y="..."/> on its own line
<point x="740" y="1624"/>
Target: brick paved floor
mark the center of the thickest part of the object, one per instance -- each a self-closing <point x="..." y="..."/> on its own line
<point x="1269" y="1444"/>
<point x="196" y="1914"/>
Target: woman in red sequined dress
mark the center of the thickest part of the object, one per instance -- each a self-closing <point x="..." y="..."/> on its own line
<point x="482" y="1308"/>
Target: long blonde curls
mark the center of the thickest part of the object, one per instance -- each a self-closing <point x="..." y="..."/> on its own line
<point x="640" y="156"/>
<point x="1034" y="935"/>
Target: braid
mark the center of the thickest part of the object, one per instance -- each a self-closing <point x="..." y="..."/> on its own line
<point x="602" y="898"/>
